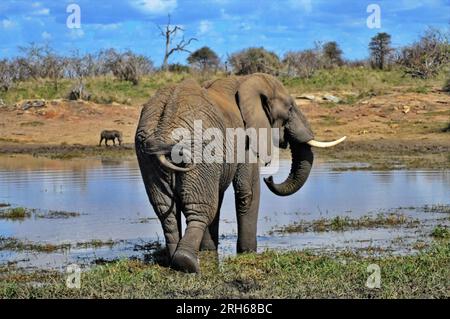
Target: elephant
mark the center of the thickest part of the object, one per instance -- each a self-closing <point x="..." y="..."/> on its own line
<point x="197" y="189"/>
<point x="110" y="135"/>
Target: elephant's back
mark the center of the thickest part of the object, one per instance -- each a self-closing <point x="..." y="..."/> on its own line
<point x="178" y="107"/>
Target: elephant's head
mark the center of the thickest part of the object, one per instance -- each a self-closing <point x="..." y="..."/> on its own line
<point x="265" y="103"/>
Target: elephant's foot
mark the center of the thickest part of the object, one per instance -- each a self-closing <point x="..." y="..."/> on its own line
<point x="171" y="248"/>
<point x="186" y="261"/>
<point x="208" y="245"/>
<point x="248" y="246"/>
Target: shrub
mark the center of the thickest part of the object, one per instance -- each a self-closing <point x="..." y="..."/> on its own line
<point x="302" y="63"/>
<point x="128" y="66"/>
<point x="254" y="60"/>
<point x="426" y="57"/>
<point x="446" y="87"/>
<point x="178" y="68"/>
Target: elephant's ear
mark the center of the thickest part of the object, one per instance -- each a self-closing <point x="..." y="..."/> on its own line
<point x="252" y="98"/>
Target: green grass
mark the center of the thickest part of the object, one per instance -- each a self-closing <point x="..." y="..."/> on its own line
<point x="21" y="213"/>
<point x="13" y="244"/>
<point x="441" y="232"/>
<point x="96" y="243"/>
<point x="295" y="274"/>
<point x="17" y="213"/>
<point x="364" y="81"/>
<point x="32" y="123"/>
<point x="346" y="223"/>
<point x="106" y="90"/>
<point x="54" y="214"/>
<point x="437" y="208"/>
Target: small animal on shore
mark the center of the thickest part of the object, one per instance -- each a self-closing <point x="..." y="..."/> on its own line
<point x="110" y="135"/>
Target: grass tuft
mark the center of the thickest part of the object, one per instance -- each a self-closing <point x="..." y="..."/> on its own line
<point x="441" y="232"/>
<point x="293" y="274"/>
<point x="17" y="213"/>
<point x="346" y="223"/>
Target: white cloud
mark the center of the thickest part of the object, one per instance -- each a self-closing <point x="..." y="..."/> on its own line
<point x="42" y="12"/>
<point x="76" y="33"/>
<point x="107" y="27"/>
<point x="155" y="6"/>
<point x="46" y="36"/>
<point x="204" y="27"/>
<point x="7" y="24"/>
<point x="244" y="26"/>
<point x="305" y="5"/>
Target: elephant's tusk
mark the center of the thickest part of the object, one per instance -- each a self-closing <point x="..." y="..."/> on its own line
<point x="164" y="162"/>
<point x="326" y="144"/>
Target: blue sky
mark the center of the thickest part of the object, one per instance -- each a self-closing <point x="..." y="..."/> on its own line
<point x="224" y="25"/>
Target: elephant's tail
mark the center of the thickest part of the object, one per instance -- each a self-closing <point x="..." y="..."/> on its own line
<point x="159" y="149"/>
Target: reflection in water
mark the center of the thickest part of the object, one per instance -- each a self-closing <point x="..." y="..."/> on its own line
<point x="112" y="196"/>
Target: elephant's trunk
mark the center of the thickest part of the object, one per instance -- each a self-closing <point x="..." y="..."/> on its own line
<point x="302" y="160"/>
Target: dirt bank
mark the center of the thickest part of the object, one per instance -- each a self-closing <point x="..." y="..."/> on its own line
<point x="413" y="128"/>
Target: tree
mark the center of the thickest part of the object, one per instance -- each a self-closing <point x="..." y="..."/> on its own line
<point x="126" y="66"/>
<point x="204" y="59"/>
<point x="426" y="57"/>
<point x="169" y="32"/>
<point x="332" y="54"/>
<point x="380" y="48"/>
<point x="302" y="63"/>
<point x="53" y="67"/>
<point x="31" y="60"/>
<point x="6" y="75"/>
<point x="79" y="67"/>
<point x="254" y="60"/>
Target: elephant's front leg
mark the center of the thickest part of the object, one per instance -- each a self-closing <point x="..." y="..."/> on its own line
<point x="247" y="193"/>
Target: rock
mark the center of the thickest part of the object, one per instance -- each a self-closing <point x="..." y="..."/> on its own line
<point x="332" y="98"/>
<point x="2" y="104"/>
<point x="406" y="109"/>
<point x="34" y="103"/>
<point x="79" y="93"/>
<point x="307" y="97"/>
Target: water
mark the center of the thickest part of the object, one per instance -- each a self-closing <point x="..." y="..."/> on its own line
<point x="113" y="204"/>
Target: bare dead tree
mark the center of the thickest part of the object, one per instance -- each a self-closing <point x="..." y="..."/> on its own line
<point x="6" y="75"/>
<point x="169" y="32"/>
<point x="302" y="63"/>
<point x="426" y="57"/>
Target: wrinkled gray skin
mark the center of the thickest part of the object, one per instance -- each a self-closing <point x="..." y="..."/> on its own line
<point x="110" y="135"/>
<point x="258" y="101"/>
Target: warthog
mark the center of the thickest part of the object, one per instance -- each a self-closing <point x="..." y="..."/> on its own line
<point x="110" y="135"/>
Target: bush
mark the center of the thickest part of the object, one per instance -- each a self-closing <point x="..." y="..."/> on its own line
<point x="253" y="60"/>
<point x="127" y="66"/>
<point x="6" y="75"/>
<point x="178" y="68"/>
<point x="446" y="87"/>
<point x="302" y="64"/>
<point x="426" y="57"/>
